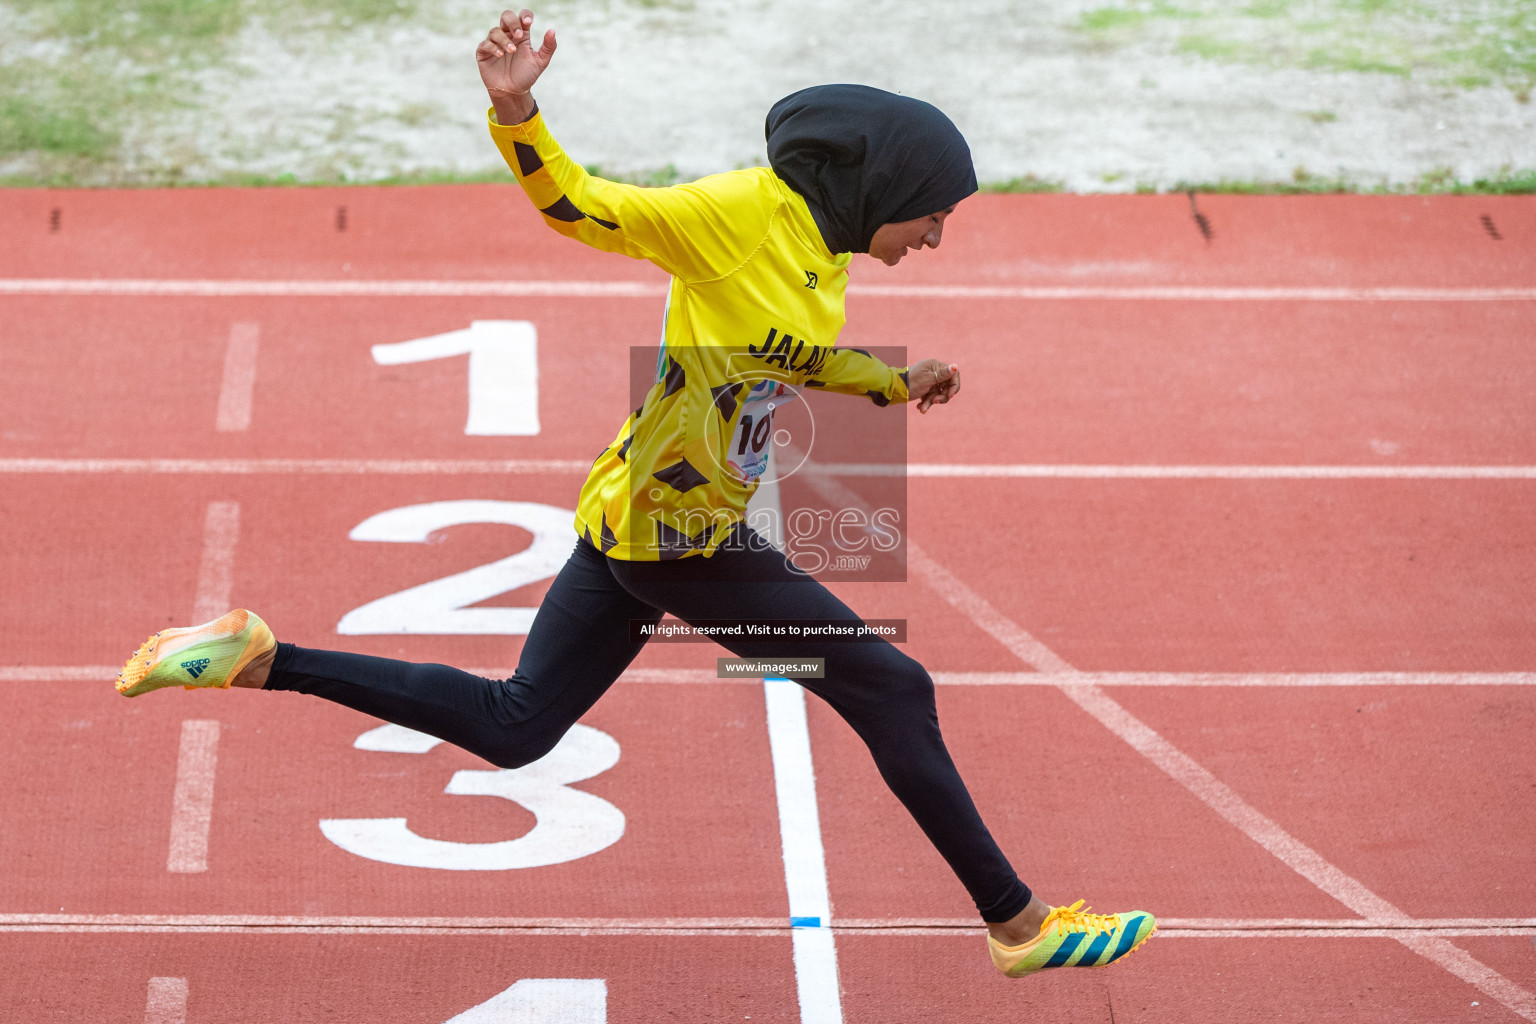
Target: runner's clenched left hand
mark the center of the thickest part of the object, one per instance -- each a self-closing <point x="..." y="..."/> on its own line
<point x="932" y="382"/>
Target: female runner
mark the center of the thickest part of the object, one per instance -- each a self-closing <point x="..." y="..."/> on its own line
<point x="753" y="254"/>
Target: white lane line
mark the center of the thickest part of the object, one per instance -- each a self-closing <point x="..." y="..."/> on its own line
<point x="968" y="933"/>
<point x="58" y="673"/>
<point x="1174" y="931"/>
<point x="1246" y="679"/>
<point x="1472" y="971"/>
<point x="386" y="922"/>
<point x="1407" y="936"/>
<point x="1165" y="931"/>
<point x="197" y="288"/>
<point x="1194" y="293"/>
<point x="341" y="467"/>
<point x="776" y="926"/>
<point x="805" y="868"/>
<point x="167" y="1001"/>
<point x="363" y="925"/>
<point x="702" y="676"/>
<point x="1264" y="925"/>
<point x="1214" y="793"/>
<point x="469" y="467"/>
<point x="192" y="806"/>
<point x="1146" y="472"/>
<point x="216" y="573"/>
<point x="646" y="289"/>
<point x="234" y="413"/>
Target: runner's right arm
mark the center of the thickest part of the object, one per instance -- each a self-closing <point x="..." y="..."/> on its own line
<point x="696" y="232"/>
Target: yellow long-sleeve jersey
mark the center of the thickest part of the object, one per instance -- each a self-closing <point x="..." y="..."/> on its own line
<point x="754" y="307"/>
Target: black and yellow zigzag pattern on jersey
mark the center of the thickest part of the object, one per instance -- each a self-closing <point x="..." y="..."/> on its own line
<point x="756" y="301"/>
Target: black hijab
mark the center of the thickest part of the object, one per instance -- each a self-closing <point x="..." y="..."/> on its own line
<point x="864" y="157"/>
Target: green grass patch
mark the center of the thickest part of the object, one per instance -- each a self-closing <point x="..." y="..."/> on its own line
<point x="1507" y="183"/>
<point x="146" y="28"/>
<point x="1107" y="19"/>
<point x="47" y="122"/>
<point x="1268" y="9"/>
<point x="116" y="64"/>
<point x="59" y="128"/>
<point x="1129" y="16"/>
<point x="1307" y="186"/>
<point x="1026" y="183"/>
<point x="187" y="30"/>
<point x="1461" y="44"/>
<point x="1346" y="57"/>
<point x="1438" y="182"/>
<point x="1209" y="46"/>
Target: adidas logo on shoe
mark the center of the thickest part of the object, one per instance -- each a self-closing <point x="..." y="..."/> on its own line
<point x="197" y="657"/>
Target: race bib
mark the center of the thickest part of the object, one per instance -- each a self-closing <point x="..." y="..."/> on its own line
<point x="747" y="456"/>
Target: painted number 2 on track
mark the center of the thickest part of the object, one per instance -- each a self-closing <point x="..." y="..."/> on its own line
<point x="441" y="606"/>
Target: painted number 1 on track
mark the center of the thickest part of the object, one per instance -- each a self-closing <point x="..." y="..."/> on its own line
<point x="503" y="372"/>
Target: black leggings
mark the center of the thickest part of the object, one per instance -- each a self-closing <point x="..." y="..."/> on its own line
<point x="581" y="641"/>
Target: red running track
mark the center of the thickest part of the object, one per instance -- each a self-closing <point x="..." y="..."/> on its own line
<point x="1412" y="794"/>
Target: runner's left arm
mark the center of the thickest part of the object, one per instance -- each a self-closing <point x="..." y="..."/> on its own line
<point x="853" y="371"/>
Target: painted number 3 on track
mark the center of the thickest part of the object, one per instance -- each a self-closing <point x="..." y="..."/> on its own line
<point x="570" y="824"/>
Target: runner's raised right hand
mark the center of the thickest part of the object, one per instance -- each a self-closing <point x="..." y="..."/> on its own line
<point x="509" y="65"/>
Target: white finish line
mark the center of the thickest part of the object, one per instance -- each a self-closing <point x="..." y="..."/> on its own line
<point x="805" y="868"/>
<point x="202" y="288"/>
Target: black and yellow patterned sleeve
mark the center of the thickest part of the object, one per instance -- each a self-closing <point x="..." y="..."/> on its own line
<point x="853" y="371"/>
<point x="698" y="232"/>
